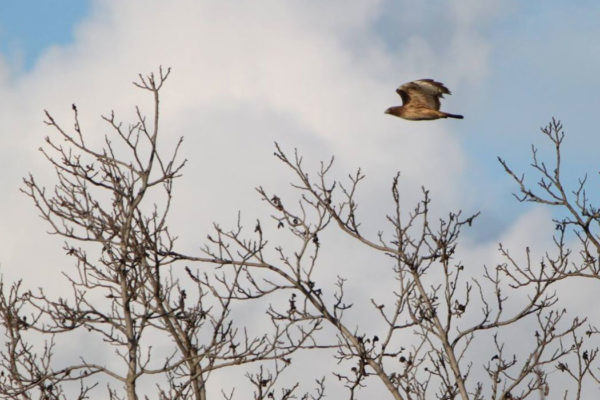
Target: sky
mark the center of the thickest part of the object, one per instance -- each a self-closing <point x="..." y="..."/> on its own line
<point x="311" y="75"/>
<point x="28" y="28"/>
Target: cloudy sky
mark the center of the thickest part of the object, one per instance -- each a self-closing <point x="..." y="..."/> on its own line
<point x="311" y="75"/>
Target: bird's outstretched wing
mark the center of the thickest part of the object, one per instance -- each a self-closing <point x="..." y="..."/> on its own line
<point x="422" y="93"/>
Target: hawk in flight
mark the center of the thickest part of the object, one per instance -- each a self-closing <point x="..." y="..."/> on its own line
<point x="421" y="100"/>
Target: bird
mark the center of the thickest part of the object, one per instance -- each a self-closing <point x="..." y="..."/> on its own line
<point x="421" y="101"/>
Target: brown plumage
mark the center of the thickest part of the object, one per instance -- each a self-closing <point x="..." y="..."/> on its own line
<point x="421" y="101"/>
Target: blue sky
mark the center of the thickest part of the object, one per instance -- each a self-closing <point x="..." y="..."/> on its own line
<point x="309" y="76"/>
<point x="27" y="27"/>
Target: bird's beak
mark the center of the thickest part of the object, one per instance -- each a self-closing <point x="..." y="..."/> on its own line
<point x="387" y="111"/>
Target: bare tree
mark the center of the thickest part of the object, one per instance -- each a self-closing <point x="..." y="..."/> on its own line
<point x="112" y="210"/>
<point x="431" y="302"/>
<point x="577" y="218"/>
<point x="441" y="333"/>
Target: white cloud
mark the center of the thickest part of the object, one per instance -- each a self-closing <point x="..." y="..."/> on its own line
<point x="286" y="71"/>
<point x="307" y="74"/>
